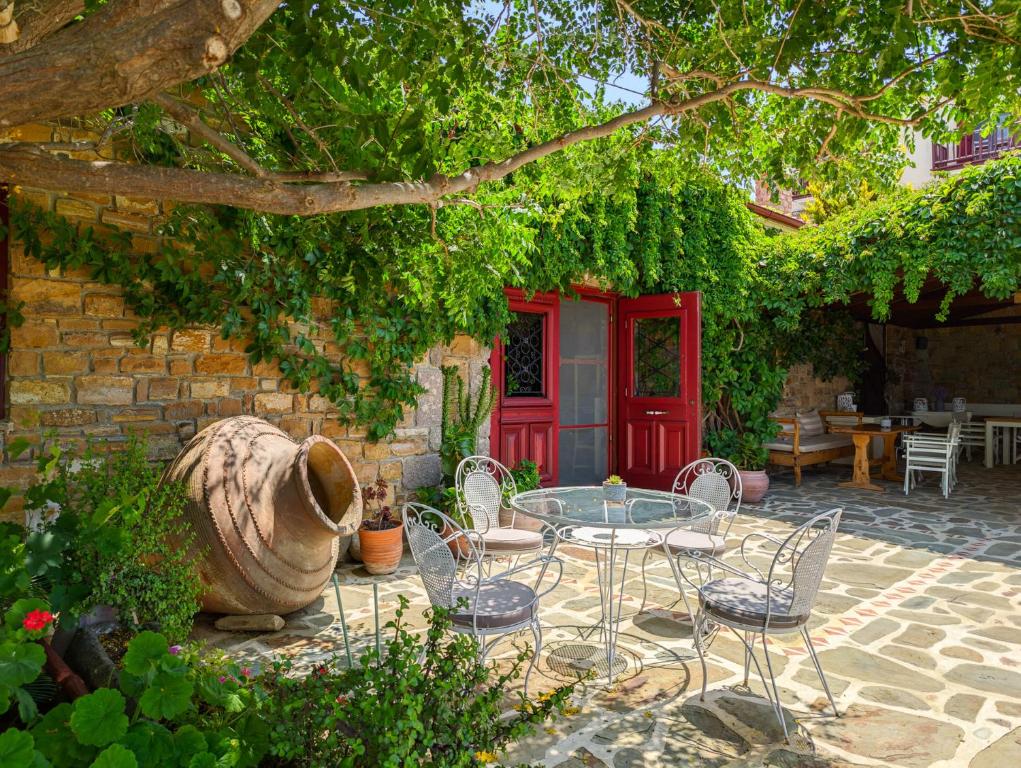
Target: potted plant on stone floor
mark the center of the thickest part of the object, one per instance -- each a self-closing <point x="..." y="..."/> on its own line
<point x="750" y="456"/>
<point x="381" y="533"/>
<point x="746" y="449"/>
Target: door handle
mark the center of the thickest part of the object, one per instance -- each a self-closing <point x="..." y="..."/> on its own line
<point x="656" y="413"/>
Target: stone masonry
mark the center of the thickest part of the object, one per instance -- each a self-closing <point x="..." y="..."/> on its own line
<point x="74" y="371"/>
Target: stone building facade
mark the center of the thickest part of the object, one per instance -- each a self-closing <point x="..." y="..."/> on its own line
<point x="803" y="391"/>
<point x="981" y="363"/>
<point x="74" y="371"/>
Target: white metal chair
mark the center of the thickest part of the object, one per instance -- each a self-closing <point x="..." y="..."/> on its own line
<point x="718" y="483"/>
<point x="449" y="560"/>
<point x="973" y="435"/>
<point x="482" y="483"/>
<point x="932" y="453"/>
<point x="777" y="602"/>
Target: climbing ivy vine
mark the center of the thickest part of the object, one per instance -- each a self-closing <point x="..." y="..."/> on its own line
<point x="345" y="304"/>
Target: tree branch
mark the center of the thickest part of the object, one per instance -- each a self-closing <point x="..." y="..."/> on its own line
<point x="27" y="165"/>
<point x="135" y="48"/>
<point x="36" y="19"/>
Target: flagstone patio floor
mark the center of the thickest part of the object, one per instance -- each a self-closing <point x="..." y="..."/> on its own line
<point x="918" y="628"/>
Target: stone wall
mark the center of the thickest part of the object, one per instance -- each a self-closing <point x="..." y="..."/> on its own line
<point x="803" y="391"/>
<point x="981" y="363"/>
<point x="75" y="372"/>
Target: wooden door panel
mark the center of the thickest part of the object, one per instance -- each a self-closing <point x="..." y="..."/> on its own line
<point x="639" y="455"/>
<point x="671" y="447"/>
<point x="540" y="440"/>
<point x="513" y="443"/>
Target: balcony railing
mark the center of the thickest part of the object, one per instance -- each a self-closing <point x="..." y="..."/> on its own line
<point x="973" y="148"/>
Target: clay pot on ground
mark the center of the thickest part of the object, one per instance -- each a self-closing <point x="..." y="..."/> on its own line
<point x="266" y="512"/>
<point x="754" y="484"/>
<point x="382" y="550"/>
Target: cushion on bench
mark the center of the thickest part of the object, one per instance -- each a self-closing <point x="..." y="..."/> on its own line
<point x="823" y="442"/>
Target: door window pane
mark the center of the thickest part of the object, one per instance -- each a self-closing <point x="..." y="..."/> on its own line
<point x="583" y="456"/>
<point x="657" y="357"/>
<point x="524" y="356"/>
<point x="584" y="362"/>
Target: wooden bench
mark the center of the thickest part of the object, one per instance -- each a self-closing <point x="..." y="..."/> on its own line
<point x="792" y="449"/>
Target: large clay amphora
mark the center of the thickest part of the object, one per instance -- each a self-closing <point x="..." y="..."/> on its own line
<point x="266" y="512"/>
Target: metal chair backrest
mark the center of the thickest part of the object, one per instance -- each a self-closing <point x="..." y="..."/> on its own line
<point x="440" y="548"/>
<point x="716" y="482"/>
<point x="800" y="562"/>
<point x="481" y="483"/>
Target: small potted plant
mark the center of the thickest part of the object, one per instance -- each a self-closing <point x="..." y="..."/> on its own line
<point x="751" y="456"/>
<point x="381" y="533"/>
<point x="614" y="489"/>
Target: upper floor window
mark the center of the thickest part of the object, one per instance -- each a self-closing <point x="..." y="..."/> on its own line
<point x="974" y="148"/>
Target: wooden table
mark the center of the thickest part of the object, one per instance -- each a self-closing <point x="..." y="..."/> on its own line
<point x="999" y="421"/>
<point x="862" y="435"/>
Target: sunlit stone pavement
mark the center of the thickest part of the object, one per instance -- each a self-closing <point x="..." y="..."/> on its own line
<point x="918" y="627"/>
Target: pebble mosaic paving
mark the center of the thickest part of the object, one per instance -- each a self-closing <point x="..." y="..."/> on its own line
<point x="917" y="625"/>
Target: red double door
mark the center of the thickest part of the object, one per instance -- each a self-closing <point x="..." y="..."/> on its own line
<point x="600" y="385"/>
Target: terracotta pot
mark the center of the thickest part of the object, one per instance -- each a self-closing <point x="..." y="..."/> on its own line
<point x="754" y="484"/>
<point x="266" y="512"/>
<point x="458" y="547"/>
<point x="382" y="550"/>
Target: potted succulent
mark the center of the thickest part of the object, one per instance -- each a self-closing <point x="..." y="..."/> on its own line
<point x="614" y="488"/>
<point x="381" y="533"/>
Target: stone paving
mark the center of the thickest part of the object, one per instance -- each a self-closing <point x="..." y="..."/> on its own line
<point x="918" y="627"/>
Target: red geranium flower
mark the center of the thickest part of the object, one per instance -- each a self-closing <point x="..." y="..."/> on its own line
<point x="36" y="620"/>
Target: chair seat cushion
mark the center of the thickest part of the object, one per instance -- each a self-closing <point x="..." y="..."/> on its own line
<point x="501" y="603"/>
<point x="688" y="541"/>
<point x="511" y="540"/>
<point x="742" y="601"/>
<point x="809" y="444"/>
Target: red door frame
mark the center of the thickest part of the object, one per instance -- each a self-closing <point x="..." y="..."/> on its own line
<point x="519" y="410"/>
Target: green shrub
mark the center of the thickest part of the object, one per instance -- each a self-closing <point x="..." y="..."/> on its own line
<point x="417" y="704"/>
<point x="119" y="539"/>
<point x="171" y="710"/>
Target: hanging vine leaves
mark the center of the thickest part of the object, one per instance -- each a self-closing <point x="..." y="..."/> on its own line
<point x="345" y="305"/>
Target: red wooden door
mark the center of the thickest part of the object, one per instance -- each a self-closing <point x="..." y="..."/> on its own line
<point x="524" y="365"/>
<point x="659" y="391"/>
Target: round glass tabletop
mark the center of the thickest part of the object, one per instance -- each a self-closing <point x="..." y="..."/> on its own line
<point x="591" y="506"/>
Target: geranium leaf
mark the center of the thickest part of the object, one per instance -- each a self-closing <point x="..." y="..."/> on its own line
<point x="116" y="756"/>
<point x="99" y="718"/>
<point x="144" y="651"/>
<point x="168" y="696"/>
<point x="17" y="749"/>
<point x="20" y="663"/>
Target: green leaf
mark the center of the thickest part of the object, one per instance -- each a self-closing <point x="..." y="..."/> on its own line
<point x="17" y="612"/>
<point x="144" y="652"/>
<point x="188" y="741"/>
<point x="18" y="446"/>
<point x="152" y="743"/>
<point x="20" y="663"/>
<point x="55" y="740"/>
<point x="116" y="756"/>
<point x="17" y="749"/>
<point x="203" y="760"/>
<point x="99" y="718"/>
<point x="168" y="695"/>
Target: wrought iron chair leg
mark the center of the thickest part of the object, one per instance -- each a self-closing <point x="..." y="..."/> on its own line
<point x="747" y="657"/>
<point x="699" y="622"/>
<point x="776" y="693"/>
<point x="645" y="581"/>
<point x="818" y="669"/>
<point x="537" y="635"/>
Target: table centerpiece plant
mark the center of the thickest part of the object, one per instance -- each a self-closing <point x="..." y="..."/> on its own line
<point x="614" y="488"/>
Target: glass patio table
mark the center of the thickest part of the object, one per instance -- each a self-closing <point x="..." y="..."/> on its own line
<point x="585" y="516"/>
